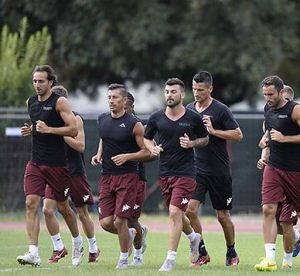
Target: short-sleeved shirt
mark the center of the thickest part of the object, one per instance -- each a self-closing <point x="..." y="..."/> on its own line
<point x="175" y="160"/>
<point x="117" y="138"/>
<point x="213" y="159"/>
<point x="284" y="156"/>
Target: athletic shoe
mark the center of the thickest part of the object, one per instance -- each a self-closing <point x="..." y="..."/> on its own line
<point x="285" y="266"/>
<point x="297" y="248"/>
<point x="144" y="235"/>
<point x="202" y="260"/>
<point x="232" y="261"/>
<point x="77" y="254"/>
<point x="30" y="259"/>
<point x="266" y="265"/>
<point x="93" y="257"/>
<point x="122" y="264"/>
<point x="167" y="266"/>
<point x="194" y="248"/>
<point x="137" y="261"/>
<point x="57" y="255"/>
<point x="132" y="233"/>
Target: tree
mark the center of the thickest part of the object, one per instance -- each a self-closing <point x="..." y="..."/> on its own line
<point x="18" y="55"/>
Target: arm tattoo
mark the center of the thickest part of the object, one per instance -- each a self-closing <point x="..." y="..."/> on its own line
<point x="200" y="142"/>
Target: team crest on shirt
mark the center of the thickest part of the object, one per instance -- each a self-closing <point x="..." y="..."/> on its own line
<point x="85" y="198"/>
<point x="66" y="191"/>
<point x="229" y="200"/>
<point x="125" y="207"/>
<point x="184" y="201"/>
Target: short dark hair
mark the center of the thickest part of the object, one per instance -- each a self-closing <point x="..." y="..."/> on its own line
<point x="60" y="90"/>
<point x="174" y="81"/>
<point x="273" y="80"/>
<point x="51" y="76"/>
<point x="203" y="76"/>
<point x="130" y="96"/>
<point x="289" y="90"/>
<point x="118" y="86"/>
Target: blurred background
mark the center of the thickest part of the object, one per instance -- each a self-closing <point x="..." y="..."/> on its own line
<point x="92" y="43"/>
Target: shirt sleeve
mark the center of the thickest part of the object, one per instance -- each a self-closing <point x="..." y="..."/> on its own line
<point x="151" y="128"/>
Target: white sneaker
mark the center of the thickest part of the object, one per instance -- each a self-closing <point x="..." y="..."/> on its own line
<point x="132" y="233"/>
<point x="77" y="254"/>
<point x="122" y="264"/>
<point x="194" y="248"/>
<point x="167" y="266"/>
<point x="30" y="259"/>
<point x="144" y="235"/>
<point x="137" y="261"/>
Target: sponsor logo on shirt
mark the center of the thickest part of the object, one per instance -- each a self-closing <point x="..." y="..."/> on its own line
<point x="47" y="107"/>
<point x="122" y="125"/>
<point x="282" y="116"/>
<point x="184" y="124"/>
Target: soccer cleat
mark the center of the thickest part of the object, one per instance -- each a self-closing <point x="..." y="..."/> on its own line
<point x="132" y="233"/>
<point x="137" y="261"/>
<point x="202" y="260"/>
<point x="77" y="254"/>
<point x="144" y="235"/>
<point x="57" y="255"/>
<point x="30" y="259"/>
<point x="297" y="248"/>
<point x="122" y="264"/>
<point x="93" y="257"/>
<point x="266" y="265"/>
<point x="167" y="266"/>
<point x="232" y="261"/>
<point x="194" y="248"/>
<point x="285" y="266"/>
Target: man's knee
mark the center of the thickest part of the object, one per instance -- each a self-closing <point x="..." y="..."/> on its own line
<point x="107" y="223"/>
<point x="223" y="215"/>
<point x="120" y="222"/>
<point x="32" y="203"/>
<point x="269" y="210"/>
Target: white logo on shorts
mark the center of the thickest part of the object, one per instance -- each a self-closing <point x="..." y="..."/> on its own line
<point x="184" y="201"/>
<point x="136" y="207"/>
<point x="125" y="207"/>
<point x="293" y="214"/>
<point x="99" y="210"/>
<point x="85" y="198"/>
<point x="66" y="191"/>
<point x="229" y="200"/>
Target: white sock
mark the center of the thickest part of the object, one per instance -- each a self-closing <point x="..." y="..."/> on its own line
<point x="57" y="242"/>
<point x="288" y="258"/>
<point x="297" y="235"/>
<point x="138" y="253"/>
<point x="171" y="255"/>
<point x="270" y="249"/>
<point x="77" y="240"/>
<point x="93" y="248"/>
<point x="191" y="236"/>
<point x="123" y="256"/>
<point x="33" y="250"/>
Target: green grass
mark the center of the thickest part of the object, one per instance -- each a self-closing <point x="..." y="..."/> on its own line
<point x="249" y="247"/>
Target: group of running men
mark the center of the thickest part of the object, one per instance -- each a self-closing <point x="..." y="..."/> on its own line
<point x="191" y="145"/>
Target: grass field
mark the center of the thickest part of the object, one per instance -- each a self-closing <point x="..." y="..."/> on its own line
<point x="249" y="247"/>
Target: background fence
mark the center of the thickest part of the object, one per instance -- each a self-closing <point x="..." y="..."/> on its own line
<point x="15" y="152"/>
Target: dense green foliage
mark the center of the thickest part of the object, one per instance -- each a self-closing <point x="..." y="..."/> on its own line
<point x="18" y="55"/>
<point x="102" y="41"/>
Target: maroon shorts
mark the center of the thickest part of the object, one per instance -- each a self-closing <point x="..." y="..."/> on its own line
<point x="177" y="190"/>
<point x="139" y="200"/>
<point x="286" y="213"/>
<point x="80" y="191"/>
<point x="117" y="195"/>
<point x="48" y="182"/>
<point x="279" y="185"/>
